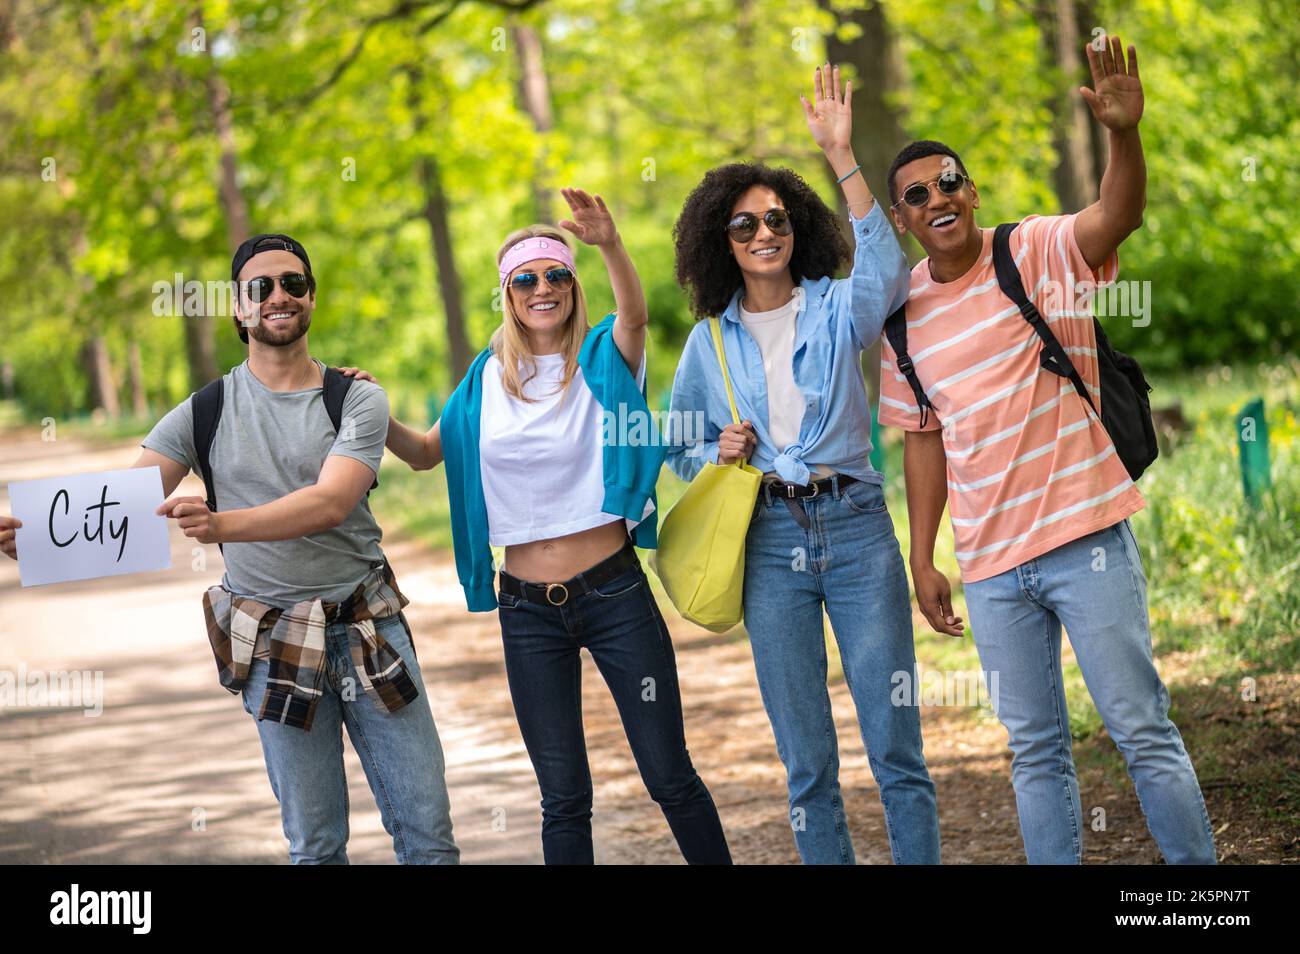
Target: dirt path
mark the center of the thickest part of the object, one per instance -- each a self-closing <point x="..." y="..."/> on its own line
<point x="172" y="769"/>
<point x="172" y="746"/>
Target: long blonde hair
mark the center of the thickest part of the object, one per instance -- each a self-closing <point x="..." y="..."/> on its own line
<point x="510" y="341"/>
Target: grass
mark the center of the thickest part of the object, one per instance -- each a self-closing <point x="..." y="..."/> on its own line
<point x="1224" y="601"/>
<point x="83" y="426"/>
<point x="1222" y="574"/>
<point x="1226" y="571"/>
<point x="416" y="501"/>
<point x="1222" y="591"/>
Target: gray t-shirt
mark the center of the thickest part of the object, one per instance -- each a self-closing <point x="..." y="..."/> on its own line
<point x="267" y="445"/>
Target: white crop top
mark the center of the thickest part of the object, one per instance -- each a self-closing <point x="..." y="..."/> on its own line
<point x="541" y="462"/>
<point x="774" y="332"/>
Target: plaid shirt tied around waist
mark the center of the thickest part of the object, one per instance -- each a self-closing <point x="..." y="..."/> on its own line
<point x="296" y="639"/>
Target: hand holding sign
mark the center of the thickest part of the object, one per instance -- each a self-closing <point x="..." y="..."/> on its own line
<point x="86" y="525"/>
<point x="8" y="528"/>
<point x="193" y="517"/>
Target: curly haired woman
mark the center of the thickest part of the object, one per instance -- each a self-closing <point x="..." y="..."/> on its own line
<point x="757" y="247"/>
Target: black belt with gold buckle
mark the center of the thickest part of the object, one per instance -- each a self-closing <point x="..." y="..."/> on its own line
<point x="557" y="594"/>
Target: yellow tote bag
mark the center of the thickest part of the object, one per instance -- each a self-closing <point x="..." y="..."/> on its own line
<point x="701" y="555"/>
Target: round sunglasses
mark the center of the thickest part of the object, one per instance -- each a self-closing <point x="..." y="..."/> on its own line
<point x="260" y="289"/>
<point x="561" y="279"/>
<point x="918" y="194"/>
<point x="744" y="226"/>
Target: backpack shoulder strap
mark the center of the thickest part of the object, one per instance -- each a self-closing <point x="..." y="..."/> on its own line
<point x="1053" y="357"/>
<point x="334" y="391"/>
<point x="205" y="410"/>
<point x="896" y="333"/>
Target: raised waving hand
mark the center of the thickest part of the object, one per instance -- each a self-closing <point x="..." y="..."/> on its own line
<point x="1116" y="97"/>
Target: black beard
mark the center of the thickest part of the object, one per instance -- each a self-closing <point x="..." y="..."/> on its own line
<point x="282" y="337"/>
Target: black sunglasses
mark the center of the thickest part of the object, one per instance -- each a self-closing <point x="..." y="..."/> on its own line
<point x="561" y="279"/>
<point x="918" y="194"/>
<point x="259" y="289"/>
<point x="744" y="226"/>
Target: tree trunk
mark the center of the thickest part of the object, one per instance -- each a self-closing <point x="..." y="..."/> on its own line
<point x="878" y="132"/>
<point x="232" y="198"/>
<point x="535" y="98"/>
<point x="135" y="380"/>
<point x="99" y="371"/>
<point x="233" y="205"/>
<point x="1074" y="177"/>
<point x="1087" y="20"/>
<point x="94" y="347"/>
<point x="438" y="216"/>
<point x="8" y="31"/>
<point x="199" y="345"/>
<point x="752" y="136"/>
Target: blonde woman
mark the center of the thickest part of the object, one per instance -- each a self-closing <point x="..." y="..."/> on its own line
<point x="531" y="468"/>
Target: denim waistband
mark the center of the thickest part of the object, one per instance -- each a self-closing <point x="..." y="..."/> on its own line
<point x="835" y="488"/>
<point x="617" y="557"/>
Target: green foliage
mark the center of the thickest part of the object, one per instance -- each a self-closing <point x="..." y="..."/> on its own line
<point x="1220" y="575"/>
<point x="1220" y="134"/>
<point x="1226" y="571"/>
<point x="646" y="96"/>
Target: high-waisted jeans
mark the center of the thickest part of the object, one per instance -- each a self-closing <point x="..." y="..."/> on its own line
<point x="848" y="562"/>
<point x="621" y="626"/>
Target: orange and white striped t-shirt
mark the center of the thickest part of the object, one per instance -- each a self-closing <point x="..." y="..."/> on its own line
<point x="1030" y="467"/>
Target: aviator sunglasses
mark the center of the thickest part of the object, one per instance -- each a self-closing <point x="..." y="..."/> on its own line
<point x="259" y="289"/>
<point x="918" y="194"/>
<point x="744" y="226"/>
<point x="561" y="279"/>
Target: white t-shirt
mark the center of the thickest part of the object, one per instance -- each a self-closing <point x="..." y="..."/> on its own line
<point x="542" y="462"/>
<point x="774" y="331"/>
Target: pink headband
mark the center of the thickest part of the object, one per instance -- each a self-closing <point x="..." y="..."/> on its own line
<point x="530" y="250"/>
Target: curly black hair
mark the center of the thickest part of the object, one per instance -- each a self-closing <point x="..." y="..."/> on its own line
<point x="705" y="266"/>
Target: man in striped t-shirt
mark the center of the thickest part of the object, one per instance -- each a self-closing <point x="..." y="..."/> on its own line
<point x="1039" y="498"/>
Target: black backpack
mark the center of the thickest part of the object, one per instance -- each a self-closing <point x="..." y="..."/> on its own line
<point x="205" y="408"/>
<point x="1126" y="409"/>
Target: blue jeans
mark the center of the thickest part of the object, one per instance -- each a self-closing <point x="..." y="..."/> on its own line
<point x="620" y="625"/>
<point x="1096" y="587"/>
<point x="848" y="562"/>
<point x="399" y="751"/>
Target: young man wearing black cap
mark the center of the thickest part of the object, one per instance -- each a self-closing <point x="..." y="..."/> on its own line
<point x="307" y="621"/>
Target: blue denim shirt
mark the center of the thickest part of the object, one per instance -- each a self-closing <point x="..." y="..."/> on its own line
<point x="836" y="320"/>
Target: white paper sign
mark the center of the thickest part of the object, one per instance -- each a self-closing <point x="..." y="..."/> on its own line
<point x="88" y="525"/>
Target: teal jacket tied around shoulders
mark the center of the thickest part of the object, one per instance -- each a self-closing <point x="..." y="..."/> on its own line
<point x="631" y="469"/>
